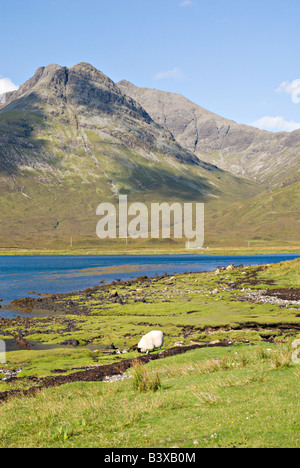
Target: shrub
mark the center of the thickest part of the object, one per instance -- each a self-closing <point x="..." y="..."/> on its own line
<point x="144" y="380"/>
<point x="281" y="357"/>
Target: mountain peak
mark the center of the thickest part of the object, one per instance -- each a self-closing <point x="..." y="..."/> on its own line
<point x="54" y="73"/>
<point x="83" y="99"/>
<point x="82" y="86"/>
<point x="84" y="66"/>
<point x="91" y="73"/>
<point x="125" y="83"/>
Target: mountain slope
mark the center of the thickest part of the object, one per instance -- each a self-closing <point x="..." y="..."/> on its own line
<point x="271" y="215"/>
<point x="269" y="158"/>
<point x="71" y="139"/>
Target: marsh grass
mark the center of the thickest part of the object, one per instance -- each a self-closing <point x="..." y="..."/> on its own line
<point x="235" y="381"/>
<point x="205" y="392"/>
<point x="208" y="399"/>
<point x="276" y="358"/>
<point x="207" y="367"/>
<point x="145" y="380"/>
<point x="281" y="357"/>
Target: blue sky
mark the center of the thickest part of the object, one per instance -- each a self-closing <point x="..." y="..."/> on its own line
<point x="237" y="58"/>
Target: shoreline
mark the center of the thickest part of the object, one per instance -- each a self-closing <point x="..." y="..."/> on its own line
<point x="47" y="301"/>
<point x="24" y="303"/>
<point x="293" y="250"/>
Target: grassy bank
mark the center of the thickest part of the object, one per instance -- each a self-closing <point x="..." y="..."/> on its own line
<point x="156" y="250"/>
<point x="244" y="395"/>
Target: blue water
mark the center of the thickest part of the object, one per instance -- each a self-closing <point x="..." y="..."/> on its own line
<point x="20" y="276"/>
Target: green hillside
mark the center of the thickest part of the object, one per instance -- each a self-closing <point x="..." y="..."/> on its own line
<point x="271" y="215"/>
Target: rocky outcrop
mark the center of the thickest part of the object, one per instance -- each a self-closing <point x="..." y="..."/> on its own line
<point x="83" y="98"/>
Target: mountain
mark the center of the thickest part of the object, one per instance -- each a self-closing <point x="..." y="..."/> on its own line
<point x="266" y="157"/>
<point x="70" y="139"/>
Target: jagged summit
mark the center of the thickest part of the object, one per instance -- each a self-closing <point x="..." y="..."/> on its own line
<point x="78" y="109"/>
<point x="81" y="85"/>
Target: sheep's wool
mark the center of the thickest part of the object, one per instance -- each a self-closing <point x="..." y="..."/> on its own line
<point x="153" y="339"/>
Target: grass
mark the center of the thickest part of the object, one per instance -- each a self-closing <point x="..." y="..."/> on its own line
<point x="145" y="381"/>
<point x="159" y="248"/>
<point x="248" y="404"/>
<point x="283" y="275"/>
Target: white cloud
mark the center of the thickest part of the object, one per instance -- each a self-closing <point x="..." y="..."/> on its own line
<point x="276" y="124"/>
<point x="292" y="88"/>
<point x="7" y="85"/>
<point x="174" y="74"/>
<point x="186" y="3"/>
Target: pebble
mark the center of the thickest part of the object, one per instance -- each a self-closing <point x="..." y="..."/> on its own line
<point x="116" y="378"/>
<point x="10" y="374"/>
<point x="260" y="296"/>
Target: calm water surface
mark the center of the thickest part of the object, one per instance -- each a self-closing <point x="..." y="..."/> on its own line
<point x="27" y="276"/>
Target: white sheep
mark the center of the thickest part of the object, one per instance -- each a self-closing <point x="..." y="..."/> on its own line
<point x="153" y="339"/>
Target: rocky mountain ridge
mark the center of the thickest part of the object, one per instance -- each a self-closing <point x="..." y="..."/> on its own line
<point x="86" y="100"/>
<point x="266" y="157"/>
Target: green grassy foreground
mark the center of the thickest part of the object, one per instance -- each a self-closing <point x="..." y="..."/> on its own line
<point x="249" y="399"/>
<point x="244" y="395"/>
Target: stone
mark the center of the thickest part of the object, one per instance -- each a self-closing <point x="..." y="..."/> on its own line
<point x="215" y="342"/>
